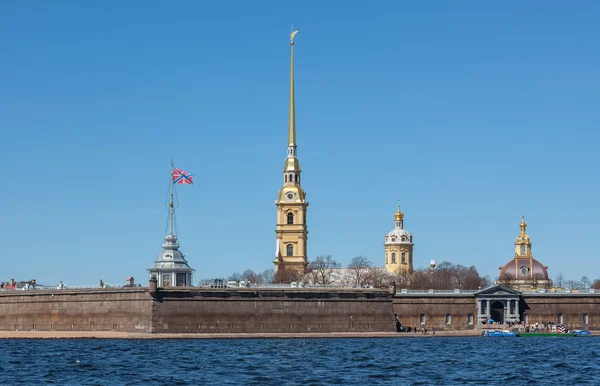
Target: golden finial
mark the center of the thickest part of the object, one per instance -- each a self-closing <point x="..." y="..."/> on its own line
<point x="399" y="215"/>
<point x="523" y="224"/>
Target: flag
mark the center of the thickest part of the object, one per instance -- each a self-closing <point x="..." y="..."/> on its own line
<point x="181" y="177"/>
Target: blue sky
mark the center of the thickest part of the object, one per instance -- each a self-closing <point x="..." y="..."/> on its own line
<point x="469" y="114"/>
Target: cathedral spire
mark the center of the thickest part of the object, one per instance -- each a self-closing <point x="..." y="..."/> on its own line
<point x="292" y="112"/>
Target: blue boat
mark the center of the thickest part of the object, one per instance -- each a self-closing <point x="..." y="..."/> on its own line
<point x="581" y="333"/>
<point x="494" y="333"/>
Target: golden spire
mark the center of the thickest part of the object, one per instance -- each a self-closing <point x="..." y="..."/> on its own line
<point x="292" y="117"/>
<point x="399" y="215"/>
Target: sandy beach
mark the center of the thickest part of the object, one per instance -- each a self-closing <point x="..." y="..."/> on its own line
<point x="126" y="335"/>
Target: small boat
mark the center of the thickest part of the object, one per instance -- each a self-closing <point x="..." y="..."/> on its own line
<point x="581" y="333"/>
<point x="498" y="333"/>
<point x="545" y="334"/>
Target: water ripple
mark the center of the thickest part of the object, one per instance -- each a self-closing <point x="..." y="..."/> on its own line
<point x="439" y="361"/>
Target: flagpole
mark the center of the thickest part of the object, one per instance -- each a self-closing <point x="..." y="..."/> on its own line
<point x="171" y="207"/>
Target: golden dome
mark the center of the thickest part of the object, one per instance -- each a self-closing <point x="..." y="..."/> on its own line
<point x="399" y="215"/>
<point x="523" y="224"/>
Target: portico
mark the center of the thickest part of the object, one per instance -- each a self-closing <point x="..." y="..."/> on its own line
<point x="500" y="304"/>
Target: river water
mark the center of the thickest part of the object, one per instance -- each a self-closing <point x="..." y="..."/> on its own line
<point x="383" y="361"/>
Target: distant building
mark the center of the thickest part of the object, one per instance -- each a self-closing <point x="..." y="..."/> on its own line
<point x="399" y="247"/>
<point x="524" y="272"/>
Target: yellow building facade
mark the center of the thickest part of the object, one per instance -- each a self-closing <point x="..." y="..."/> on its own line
<point x="399" y="247"/>
<point x="291" y="231"/>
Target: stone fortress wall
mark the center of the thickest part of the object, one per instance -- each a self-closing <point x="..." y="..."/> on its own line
<point x="127" y="310"/>
<point x="255" y="310"/>
<point x="459" y="311"/>
<point x="198" y="310"/>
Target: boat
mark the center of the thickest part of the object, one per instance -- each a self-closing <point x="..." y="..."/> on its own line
<point x="556" y="334"/>
<point x="545" y="334"/>
<point x="581" y="333"/>
<point x="497" y="333"/>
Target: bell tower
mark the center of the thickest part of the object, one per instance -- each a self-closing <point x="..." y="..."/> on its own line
<point x="291" y="232"/>
<point x="399" y="247"/>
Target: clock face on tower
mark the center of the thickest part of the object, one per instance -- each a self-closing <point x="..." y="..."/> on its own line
<point x="290" y="196"/>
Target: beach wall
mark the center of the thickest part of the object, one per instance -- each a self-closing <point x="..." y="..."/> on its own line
<point x="289" y="310"/>
<point x="127" y="310"/>
<point x="436" y="311"/>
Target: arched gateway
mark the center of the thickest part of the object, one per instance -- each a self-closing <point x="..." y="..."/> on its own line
<point x="499" y="304"/>
<point x="497" y="311"/>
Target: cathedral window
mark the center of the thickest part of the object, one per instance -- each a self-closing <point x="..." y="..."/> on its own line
<point x="297" y="178"/>
<point x="523" y="249"/>
<point x="403" y="257"/>
<point x="290" y="218"/>
<point x="393" y="258"/>
<point x="386" y="258"/>
<point x="290" y="250"/>
<point x="286" y="178"/>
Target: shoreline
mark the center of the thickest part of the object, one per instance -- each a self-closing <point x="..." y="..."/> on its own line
<point x="281" y="335"/>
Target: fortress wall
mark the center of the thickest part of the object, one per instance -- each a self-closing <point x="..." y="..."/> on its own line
<point x="246" y="310"/>
<point x="125" y="310"/>
<point x="546" y="307"/>
<point x="435" y="307"/>
<point x="269" y="310"/>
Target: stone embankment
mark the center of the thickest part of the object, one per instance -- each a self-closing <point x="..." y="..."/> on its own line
<point x="125" y="335"/>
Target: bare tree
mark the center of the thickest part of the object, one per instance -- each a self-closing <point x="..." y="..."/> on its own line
<point x="486" y="282"/>
<point x="420" y="280"/>
<point x="402" y="279"/>
<point x="443" y="276"/>
<point x="235" y="277"/>
<point x="573" y="284"/>
<point x="559" y="281"/>
<point x="251" y="276"/>
<point x="358" y="267"/>
<point x="267" y="276"/>
<point x="320" y="270"/>
<point x="585" y="282"/>
<point x="378" y="277"/>
<point x="286" y="276"/>
<point x="596" y="284"/>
